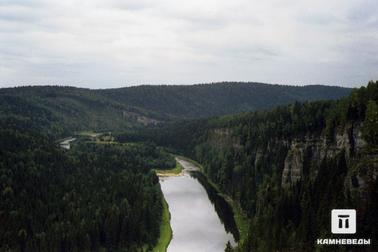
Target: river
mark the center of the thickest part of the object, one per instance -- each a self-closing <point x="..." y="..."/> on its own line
<point x="194" y="220"/>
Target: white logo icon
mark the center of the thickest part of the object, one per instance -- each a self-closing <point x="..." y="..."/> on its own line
<point x="343" y="221"/>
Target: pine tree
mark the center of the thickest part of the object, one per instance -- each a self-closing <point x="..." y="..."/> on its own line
<point x="228" y="247"/>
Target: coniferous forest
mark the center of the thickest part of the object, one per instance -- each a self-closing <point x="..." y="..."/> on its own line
<point x="188" y="126"/>
<point x="61" y="111"/>
<point x="285" y="167"/>
<point x="93" y="197"/>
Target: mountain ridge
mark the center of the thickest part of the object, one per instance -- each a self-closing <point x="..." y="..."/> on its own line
<point x="66" y="109"/>
<point x="174" y="85"/>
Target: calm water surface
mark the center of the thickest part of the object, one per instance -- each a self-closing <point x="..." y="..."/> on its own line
<point x="195" y="223"/>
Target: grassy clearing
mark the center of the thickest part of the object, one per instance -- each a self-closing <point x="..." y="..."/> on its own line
<point x="165" y="230"/>
<point x="171" y="172"/>
<point x="89" y="133"/>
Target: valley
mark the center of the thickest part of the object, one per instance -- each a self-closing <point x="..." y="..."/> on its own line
<point x="125" y="181"/>
<point x="188" y="126"/>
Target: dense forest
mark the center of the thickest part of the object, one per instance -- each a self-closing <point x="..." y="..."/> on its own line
<point x="284" y="166"/>
<point x="207" y="100"/>
<point x="91" y="198"/>
<point x="60" y="111"/>
<point x="289" y="167"/>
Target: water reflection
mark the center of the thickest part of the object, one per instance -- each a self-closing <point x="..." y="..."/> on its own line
<point x="222" y="207"/>
<point x="195" y="223"/>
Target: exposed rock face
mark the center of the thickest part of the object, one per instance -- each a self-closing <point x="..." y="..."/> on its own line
<point x="223" y="137"/>
<point x="311" y="149"/>
<point x="139" y="118"/>
<point x="316" y="148"/>
<point x="293" y="167"/>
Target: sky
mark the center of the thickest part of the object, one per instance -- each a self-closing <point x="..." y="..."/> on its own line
<point x="114" y="43"/>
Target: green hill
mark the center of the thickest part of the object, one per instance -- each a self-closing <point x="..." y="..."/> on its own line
<point x="206" y="100"/>
<point x="62" y="110"/>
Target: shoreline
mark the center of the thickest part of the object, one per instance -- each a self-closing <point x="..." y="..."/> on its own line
<point x="238" y="215"/>
<point x="166" y="233"/>
<point x="174" y="172"/>
<point x="187" y="166"/>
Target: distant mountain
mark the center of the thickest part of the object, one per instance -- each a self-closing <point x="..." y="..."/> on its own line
<point x="65" y="109"/>
<point x="206" y="100"/>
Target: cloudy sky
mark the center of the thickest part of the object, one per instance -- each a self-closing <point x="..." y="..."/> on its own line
<point x="112" y="43"/>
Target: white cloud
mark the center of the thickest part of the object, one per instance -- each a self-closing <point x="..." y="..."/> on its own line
<point x="95" y="43"/>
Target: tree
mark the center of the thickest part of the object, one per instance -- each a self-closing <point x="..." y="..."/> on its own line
<point x="228" y="247"/>
<point x="370" y="128"/>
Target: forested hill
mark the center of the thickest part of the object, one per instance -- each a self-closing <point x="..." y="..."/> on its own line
<point x="206" y="100"/>
<point x="289" y="167"/>
<point x="61" y="110"/>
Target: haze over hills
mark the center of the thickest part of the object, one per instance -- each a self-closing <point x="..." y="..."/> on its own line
<point x="64" y="109"/>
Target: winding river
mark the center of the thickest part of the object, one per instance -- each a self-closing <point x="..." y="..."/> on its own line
<point x="194" y="220"/>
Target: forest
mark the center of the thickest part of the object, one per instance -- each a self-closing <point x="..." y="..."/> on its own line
<point x="61" y="111"/>
<point x="289" y="167"/>
<point x="91" y="198"/>
<point x="283" y="166"/>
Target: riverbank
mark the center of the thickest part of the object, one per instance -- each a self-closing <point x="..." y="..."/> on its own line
<point x="240" y="218"/>
<point x="228" y="211"/>
<point x="165" y="230"/>
<point x="166" y="233"/>
<point x="177" y="171"/>
<point x="222" y="206"/>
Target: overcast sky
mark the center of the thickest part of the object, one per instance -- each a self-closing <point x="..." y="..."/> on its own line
<point x="113" y="43"/>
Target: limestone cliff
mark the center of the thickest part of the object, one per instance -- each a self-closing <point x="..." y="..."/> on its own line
<point x="310" y="149"/>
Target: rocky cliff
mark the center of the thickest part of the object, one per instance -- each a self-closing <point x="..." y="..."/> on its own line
<point x="315" y="148"/>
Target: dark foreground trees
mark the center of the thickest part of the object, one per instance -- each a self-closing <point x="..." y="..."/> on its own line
<point x="92" y="197"/>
